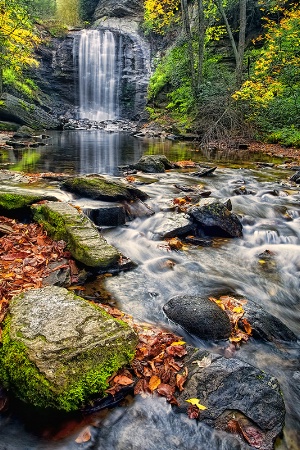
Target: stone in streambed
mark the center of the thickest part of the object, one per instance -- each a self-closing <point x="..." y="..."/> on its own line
<point x="153" y="164"/>
<point x="58" y="350"/>
<point x="199" y="316"/>
<point x="234" y="390"/>
<point x="12" y="200"/>
<point x="216" y="219"/>
<point x="86" y="244"/>
<point x="98" y="187"/>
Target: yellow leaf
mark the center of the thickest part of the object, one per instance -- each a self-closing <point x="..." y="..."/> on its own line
<point x="195" y="401"/>
<point x="238" y="310"/>
<point x="178" y="343"/>
<point x="154" y="382"/>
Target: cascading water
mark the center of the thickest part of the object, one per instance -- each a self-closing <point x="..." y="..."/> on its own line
<point x="99" y="73"/>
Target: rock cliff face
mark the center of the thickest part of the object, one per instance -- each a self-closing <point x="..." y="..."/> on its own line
<point x="58" y="72"/>
<point x="122" y="8"/>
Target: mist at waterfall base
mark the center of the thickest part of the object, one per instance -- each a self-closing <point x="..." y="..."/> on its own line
<point x="270" y="222"/>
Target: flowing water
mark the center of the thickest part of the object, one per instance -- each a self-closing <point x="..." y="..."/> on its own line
<point x="271" y="221"/>
<point x="99" y="66"/>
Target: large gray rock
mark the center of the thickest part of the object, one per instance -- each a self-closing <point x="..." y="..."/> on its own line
<point x="233" y="390"/>
<point x="58" y="349"/>
<point x="216" y="219"/>
<point x="86" y="244"/>
<point x="173" y="225"/>
<point x="120" y="8"/>
<point x="153" y="164"/>
<point x="100" y="188"/>
<point x="20" y="111"/>
<point x="12" y="199"/>
<point x="199" y="316"/>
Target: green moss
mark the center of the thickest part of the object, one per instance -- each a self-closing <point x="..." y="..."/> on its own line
<point x="51" y="221"/>
<point x="85" y="375"/>
<point x="15" y="201"/>
<point x="94" y="187"/>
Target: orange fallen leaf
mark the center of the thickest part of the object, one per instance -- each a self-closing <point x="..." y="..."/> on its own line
<point x="123" y="380"/>
<point x="84" y="436"/>
<point x="154" y="382"/>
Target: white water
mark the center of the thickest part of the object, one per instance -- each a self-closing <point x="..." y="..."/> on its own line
<point x="98" y="65"/>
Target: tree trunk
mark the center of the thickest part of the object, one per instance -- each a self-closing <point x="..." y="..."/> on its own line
<point x="241" y="45"/>
<point x="201" y="41"/>
<point x="187" y="32"/>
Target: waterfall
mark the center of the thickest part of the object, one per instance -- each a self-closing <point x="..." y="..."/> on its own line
<point x="99" y="73"/>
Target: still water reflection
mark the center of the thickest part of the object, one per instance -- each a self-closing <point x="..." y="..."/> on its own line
<point x="95" y="151"/>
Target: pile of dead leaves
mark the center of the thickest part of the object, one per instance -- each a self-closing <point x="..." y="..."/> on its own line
<point x="157" y="366"/>
<point x="25" y="254"/>
<point x="235" y="311"/>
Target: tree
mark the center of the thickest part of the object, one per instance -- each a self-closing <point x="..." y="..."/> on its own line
<point x="17" y="38"/>
<point x="68" y="12"/>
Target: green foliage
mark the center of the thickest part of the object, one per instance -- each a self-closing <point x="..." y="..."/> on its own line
<point x="86" y="9"/>
<point x="41" y="9"/>
<point x="288" y="136"/>
<point x="272" y="94"/>
<point x="68" y="12"/>
<point x="16" y="80"/>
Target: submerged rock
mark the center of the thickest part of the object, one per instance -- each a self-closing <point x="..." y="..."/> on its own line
<point x="216" y="219"/>
<point x="199" y="316"/>
<point x="237" y="396"/>
<point x="86" y="244"/>
<point x="58" y="349"/>
<point x="98" y="187"/>
<point x="153" y="164"/>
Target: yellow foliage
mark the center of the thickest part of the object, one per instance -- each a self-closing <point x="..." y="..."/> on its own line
<point x="160" y="13"/>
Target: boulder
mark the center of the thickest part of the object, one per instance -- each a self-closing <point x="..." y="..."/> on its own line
<point x="153" y="164"/>
<point x="199" y="316"/>
<point x="86" y="244"/>
<point x="239" y="397"/>
<point x="173" y="225"/>
<point x="296" y="177"/>
<point x="265" y="326"/>
<point x="22" y="112"/>
<point x="58" y="349"/>
<point x="11" y="201"/>
<point x="216" y="219"/>
<point x="98" y="187"/>
<point x="107" y="215"/>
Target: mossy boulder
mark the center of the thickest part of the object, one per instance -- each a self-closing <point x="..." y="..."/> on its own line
<point x="98" y="187"/>
<point x="58" y="350"/>
<point x="10" y="201"/>
<point x="153" y="164"/>
<point x="86" y="244"/>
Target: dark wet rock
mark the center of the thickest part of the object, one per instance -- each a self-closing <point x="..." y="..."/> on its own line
<point x="234" y="390"/>
<point x="194" y="190"/>
<point x="199" y="316"/>
<point x="60" y="274"/>
<point x="16" y="144"/>
<point x="174" y="225"/>
<point x="216" y="219"/>
<point x="153" y="164"/>
<point x="296" y="177"/>
<point x="242" y="190"/>
<point x="137" y="209"/>
<point x="107" y="215"/>
<point x="98" y="187"/>
<point x="201" y="242"/>
<point x="265" y="326"/>
<point x="86" y="244"/>
<point x="267" y="261"/>
<point x="204" y="172"/>
<point x="58" y="350"/>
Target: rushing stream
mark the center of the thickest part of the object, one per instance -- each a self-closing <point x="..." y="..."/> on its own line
<point x="271" y="221"/>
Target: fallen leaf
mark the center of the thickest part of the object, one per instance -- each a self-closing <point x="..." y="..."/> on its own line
<point x="178" y="343"/>
<point x="123" y="380"/>
<point x="193" y="412"/>
<point x="154" y="382"/>
<point x="195" y="402"/>
<point x="166" y="390"/>
<point x="247" y="326"/>
<point x="84" y="436"/>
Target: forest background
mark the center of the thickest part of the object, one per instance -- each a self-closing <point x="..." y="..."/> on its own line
<point x="226" y="68"/>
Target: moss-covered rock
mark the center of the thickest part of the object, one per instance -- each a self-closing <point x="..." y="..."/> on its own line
<point x="100" y="188"/>
<point x="86" y="244"/>
<point x="10" y="201"/>
<point x="58" y="350"/>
